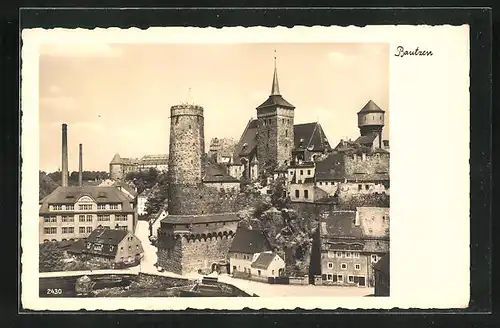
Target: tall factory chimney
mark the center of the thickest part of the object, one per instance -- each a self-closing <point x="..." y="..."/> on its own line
<point x="80" y="167"/>
<point x="64" y="168"/>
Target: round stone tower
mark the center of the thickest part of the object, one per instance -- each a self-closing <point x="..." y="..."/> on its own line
<point x="371" y="121"/>
<point x="187" y="146"/>
<point x="115" y="168"/>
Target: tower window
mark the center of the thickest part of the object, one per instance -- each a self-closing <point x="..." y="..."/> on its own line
<point x="286" y="145"/>
<point x="268" y="133"/>
<point x="177" y="120"/>
<point x="283" y="121"/>
<point x="269" y="121"/>
<point x="189" y="126"/>
<point x="286" y="133"/>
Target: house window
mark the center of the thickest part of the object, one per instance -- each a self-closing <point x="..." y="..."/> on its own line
<point x="355" y="255"/>
<point x="347" y="254"/>
<point x="374" y="258"/>
<point x="367" y="187"/>
<point x="297" y="193"/>
<point x="301" y="172"/>
<point x="176" y="122"/>
<point x="339" y="254"/>
<point x="103" y="217"/>
<point x="350" y="278"/>
<point x="56" y="207"/>
<point x="88" y="229"/>
<point x="130" y="248"/>
<point x="50" y="231"/>
<point x="81" y="218"/>
<point x="89" y="218"/>
<point x="113" y="206"/>
<point x="330" y="265"/>
<point x="320" y="183"/>
<point x="360" y="187"/>
<point x="81" y="230"/>
<point x="136" y="247"/>
<point x="101" y="206"/>
<point x="357" y="267"/>
<point x="343" y="266"/>
<point x="68" y="229"/>
<point x="67" y="219"/>
<point x="329" y="277"/>
<point x="291" y="172"/>
<point x="258" y="272"/>
<point x="70" y="207"/>
<point x="120" y="217"/>
<point x="340" y="278"/>
<point x="306" y="194"/>
<point x="308" y="172"/>
<point x="272" y="272"/>
<point x="85" y="207"/>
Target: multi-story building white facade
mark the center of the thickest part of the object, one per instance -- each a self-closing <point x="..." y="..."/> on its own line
<point x="71" y="213"/>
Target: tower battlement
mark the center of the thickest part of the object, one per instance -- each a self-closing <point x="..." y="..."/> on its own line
<point x="186" y="109"/>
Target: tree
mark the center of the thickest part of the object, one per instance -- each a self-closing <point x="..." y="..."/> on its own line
<point x="279" y="197"/>
<point x="144" y="179"/>
<point x="50" y="257"/>
<point x="157" y="198"/>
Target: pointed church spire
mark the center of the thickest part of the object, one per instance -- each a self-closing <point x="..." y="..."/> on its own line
<point x="275" y="91"/>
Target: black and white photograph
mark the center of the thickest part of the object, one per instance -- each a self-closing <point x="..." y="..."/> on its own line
<point x="243" y="169"/>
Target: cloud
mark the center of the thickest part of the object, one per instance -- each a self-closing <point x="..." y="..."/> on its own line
<point x="83" y="50"/>
<point x="59" y="103"/>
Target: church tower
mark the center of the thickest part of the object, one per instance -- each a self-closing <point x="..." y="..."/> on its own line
<point x="371" y="122"/>
<point x="275" y="128"/>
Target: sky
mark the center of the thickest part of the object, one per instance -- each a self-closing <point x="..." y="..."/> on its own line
<point x="116" y="98"/>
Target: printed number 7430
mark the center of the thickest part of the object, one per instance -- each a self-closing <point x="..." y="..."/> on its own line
<point x="56" y="291"/>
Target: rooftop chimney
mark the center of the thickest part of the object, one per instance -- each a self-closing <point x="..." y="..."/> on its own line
<point x="356" y="220"/>
<point x="64" y="169"/>
<point x="80" y="168"/>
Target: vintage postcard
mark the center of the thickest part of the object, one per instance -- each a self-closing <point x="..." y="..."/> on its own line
<point x="261" y="168"/>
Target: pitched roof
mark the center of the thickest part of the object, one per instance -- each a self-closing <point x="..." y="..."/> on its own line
<point x="330" y="168"/>
<point x="310" y="136"/>
<point x="365" y="140"/>
<point x="371" y="107"/>
<point x="217" y="173"/>
<point x="71" y="194"/>
<point x="263" y="260"/>
<point x="384" y="264"/>
<point x="340" y="224"/>
<point x="248" y="141"/>
<point x="116" y="159"/>
<point x="204" y="218"/>
<point x="276" y="100"/>
<point x="159" y="159"/>
<point x="249" y="242"/>
<point x="107" y="236"/>
<point x="128" y="188"/>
